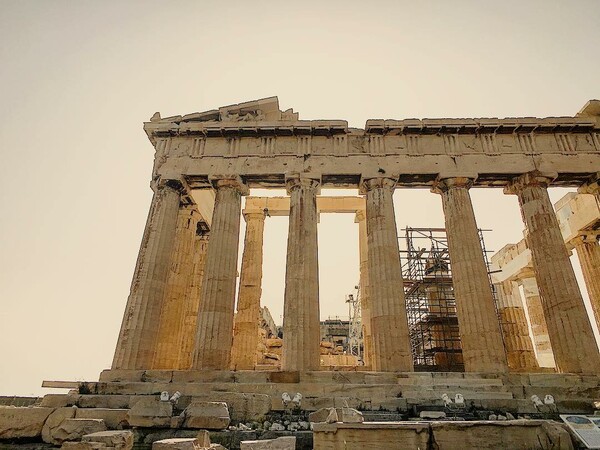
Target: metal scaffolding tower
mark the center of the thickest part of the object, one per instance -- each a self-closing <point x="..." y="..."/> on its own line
<point x="430" y="302"/>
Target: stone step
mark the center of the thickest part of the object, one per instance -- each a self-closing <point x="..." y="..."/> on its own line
<point x="439" y="390"/>
<point x="427" y="395"/>
<point x="456" y="387"/>
<point x="450" y="381"/>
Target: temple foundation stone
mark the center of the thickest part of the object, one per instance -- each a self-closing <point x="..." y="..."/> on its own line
<point x="137" y="338"/>
<point x="215" y="314"/>
<point x="391" y="350"/>
<point x="480" y="333"/>
<point x="569" y="328"/>
<point x="301" y="325"/>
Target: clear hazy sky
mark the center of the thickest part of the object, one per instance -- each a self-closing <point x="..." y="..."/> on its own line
<point x="78" y="78"/>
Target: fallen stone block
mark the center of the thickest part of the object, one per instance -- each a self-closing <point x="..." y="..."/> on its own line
<point x="55" y="400"/>
<point x="351" y="415"/>
<point x="84" y="446"/>
<point x="113" y="418"/>
<point x="53" y="422"/>
<point x="372" y="435"/>
<point x="203" y="438"/>
<point x="206" y="415"/>
<point x="319" y="415"/>
<point x="242" y="406"/>
<point x="432" y="415"/>
<point x="177" y="444"/>
<point x="119" y="439"/>
<point x="513" y="434"/>
<point x="75" y="429"/>
<point x="150" y="412"/>
<point x="281" y="443"/>
<point x="22" y="422"/>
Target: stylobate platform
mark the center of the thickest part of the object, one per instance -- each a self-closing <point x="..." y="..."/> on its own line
<point x="255" y="393"/>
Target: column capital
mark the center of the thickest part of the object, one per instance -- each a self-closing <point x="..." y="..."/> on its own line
<point x="254" y="214"/>
<point x="592" y="186"/>
<point x="585" y="237"/>
<point x="368" y="184"/>
<point x="229" y="181"/>
<point x="161" y="183"/>
<point x="442" y="185"/>
<point x="296" y="180"/>
<point x="529" y="179"/>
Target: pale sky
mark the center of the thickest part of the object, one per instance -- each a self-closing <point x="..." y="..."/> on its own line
<point x="78" y="78"/>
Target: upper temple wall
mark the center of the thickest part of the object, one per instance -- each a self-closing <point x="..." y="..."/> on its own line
<point x="261" y="143"/>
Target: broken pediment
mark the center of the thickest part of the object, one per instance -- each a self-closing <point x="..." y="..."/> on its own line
<point x="262" y="110"/>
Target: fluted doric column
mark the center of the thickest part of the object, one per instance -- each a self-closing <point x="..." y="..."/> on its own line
<point x="189" y="316"/>
<point x="588" y="252"/>
<point x="137" y="338"/>
<point x="519" y="347"/>
<point x="365" y="302"/>
<point x="170" y="325"/>
<point x="215" y="314"/>
<point x="391" y="350"/>
<point x="480" y="335"/>
<point x="247" y="319"/>
<point x="539" y="328"/>
<point x="568" y="324"/>
<point x="301" y="325"/>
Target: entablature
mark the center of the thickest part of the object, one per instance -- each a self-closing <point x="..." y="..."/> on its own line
<point x="261" y="143"/>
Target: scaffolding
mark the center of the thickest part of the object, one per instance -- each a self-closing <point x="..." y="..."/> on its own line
<point x="430" y="302"/>
<point x="355" y="335"/>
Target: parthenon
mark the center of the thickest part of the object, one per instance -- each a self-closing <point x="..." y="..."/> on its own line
<point x="223" y="153"/>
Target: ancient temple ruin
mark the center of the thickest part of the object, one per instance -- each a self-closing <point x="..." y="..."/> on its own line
<point x="187" y="315"/>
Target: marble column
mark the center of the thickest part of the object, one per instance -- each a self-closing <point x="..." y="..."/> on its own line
<point x="214" y="332"/>
<point x="539" y="328"/>
<point x="189" y="317"/>
<point x="569" y="327"/>
<point x="588" y="252"/>
<point x="170" y="324"/>
<point x="391" y="351"/>
<point x="365" y="306"/>
<point x="517" y="342"/>
<point x="137" y="338"/>
<point x="480" y="334"/>
<point x="247" y="319"/>
<point x="301" y="324"/>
